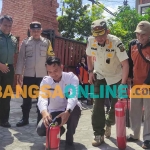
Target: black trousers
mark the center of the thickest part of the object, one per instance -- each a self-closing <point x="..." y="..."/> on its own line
<point x="6" y="79"/>
<point x="71" y="124"/>
<point x="27" y="102"/>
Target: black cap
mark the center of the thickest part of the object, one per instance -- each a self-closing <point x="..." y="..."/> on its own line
<point x="35" y="25"/>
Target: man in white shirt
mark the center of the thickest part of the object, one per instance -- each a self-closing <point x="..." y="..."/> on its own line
<point x="57" y="106"/>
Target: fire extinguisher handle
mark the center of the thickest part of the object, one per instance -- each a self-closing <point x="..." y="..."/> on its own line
<point x="55" y="120"/>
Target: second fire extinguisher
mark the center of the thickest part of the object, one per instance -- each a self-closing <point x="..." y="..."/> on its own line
<point x="52" y="137"/>
<point x="120" y="124"/>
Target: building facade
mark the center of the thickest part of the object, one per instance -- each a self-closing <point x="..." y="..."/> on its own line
<point x="142" y="5"/>
<point x="24" y="12"/>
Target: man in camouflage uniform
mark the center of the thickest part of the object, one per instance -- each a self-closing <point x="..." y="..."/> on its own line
<point x="31" y="64"/>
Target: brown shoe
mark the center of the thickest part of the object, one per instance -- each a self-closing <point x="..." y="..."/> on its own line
<point x="98" y="140"/>
<point x="108" y="131"/>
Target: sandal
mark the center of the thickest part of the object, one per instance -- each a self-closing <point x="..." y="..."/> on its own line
<point x="146" y="144"/>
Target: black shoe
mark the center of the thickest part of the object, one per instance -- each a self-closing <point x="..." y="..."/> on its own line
<point x="22" y="123"/>
<point x="146" y="144"/>
<point x="62" y="131"/>
<point x="69" y="143"/>
<point x="69" y="146"/>
<point x="5" y="124"/>
<point x="131" y="139"/>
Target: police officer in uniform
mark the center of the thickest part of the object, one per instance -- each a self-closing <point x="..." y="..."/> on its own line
<point x="30" y="68"/>
<point x="110" y="67"/>
<point x="8" y="47"/>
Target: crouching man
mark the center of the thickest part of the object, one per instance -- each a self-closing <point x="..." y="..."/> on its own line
<point x="56" y="106"/>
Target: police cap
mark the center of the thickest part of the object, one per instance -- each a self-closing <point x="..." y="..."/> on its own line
<point x="35" y="25"/>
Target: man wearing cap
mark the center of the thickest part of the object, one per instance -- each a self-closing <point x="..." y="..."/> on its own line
<point x="8" y="47"/>
<point x="30" y="68"/>
<point x="139" y="62"/>
<point x="108" y="65"/>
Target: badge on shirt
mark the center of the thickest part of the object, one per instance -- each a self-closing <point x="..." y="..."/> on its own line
<point x="110" y="45"/>
<point x="94" y="45"/>
<point x="121" y="47"/>
<point x="93" y="53"/>
<point x="109" y="55"/>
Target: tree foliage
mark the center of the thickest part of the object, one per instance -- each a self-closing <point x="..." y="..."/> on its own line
<point x="77" y="19"/>
<point x="125" y="22"/>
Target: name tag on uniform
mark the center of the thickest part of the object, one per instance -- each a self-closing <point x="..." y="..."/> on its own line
<point x="109" y="55"/>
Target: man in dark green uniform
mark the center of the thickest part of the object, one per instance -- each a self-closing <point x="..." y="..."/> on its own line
<point x="8" y="47"/>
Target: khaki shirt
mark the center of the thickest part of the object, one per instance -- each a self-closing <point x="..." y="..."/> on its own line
<point x="32" y="57"/>
<point x="107" y="59"/>
<point x="8" y="47"/>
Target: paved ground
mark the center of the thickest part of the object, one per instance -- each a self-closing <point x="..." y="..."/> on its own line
<point x="25" y="138"/>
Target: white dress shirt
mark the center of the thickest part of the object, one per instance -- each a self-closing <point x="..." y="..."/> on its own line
<point x="58" y="103"/>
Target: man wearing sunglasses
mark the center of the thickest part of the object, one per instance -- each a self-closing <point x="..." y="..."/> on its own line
<point x="108" y="65"/>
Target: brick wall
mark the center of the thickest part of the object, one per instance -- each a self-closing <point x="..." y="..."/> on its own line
<point x="24" y="12"/>
<point x="145" y="1"/>
<point x="45" y="12"/>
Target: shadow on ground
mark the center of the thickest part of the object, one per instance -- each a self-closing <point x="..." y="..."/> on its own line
<point x="6" y="138"/>
<point x="113" y="140"/>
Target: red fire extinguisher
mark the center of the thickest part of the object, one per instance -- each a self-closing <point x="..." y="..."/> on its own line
<point x="52" y="137"/>
<point x="120" y="124"/>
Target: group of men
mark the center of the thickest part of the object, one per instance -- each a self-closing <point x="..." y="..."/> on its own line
<point x="108" y="64"/>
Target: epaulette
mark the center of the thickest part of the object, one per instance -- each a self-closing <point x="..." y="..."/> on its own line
<point x="14" y="38"/>
<point x="26" y="38"/>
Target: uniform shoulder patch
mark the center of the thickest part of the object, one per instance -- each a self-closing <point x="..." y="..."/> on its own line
<point x="121" y="47"/>
<point x="26" y="39"/>
<point x="50" y="51"/>
<point x="14" y="39"/>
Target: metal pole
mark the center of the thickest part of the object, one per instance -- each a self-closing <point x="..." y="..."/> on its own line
<point x="98" y="3"/>
<point x="125" y="2"/>
<point x="62" y="13"/>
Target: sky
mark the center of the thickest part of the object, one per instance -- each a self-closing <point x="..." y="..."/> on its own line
<point x="112" y="5"/>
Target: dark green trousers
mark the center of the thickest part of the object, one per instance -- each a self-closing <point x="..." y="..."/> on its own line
<point x="98" y="114"/>
<point x="5" y="79"/>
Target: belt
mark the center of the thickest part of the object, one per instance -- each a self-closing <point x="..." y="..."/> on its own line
<point x="9" y="64"/>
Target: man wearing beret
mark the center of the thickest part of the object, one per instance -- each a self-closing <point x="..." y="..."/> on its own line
<point x="30" y="68"/>
<point x="108" y="65"/>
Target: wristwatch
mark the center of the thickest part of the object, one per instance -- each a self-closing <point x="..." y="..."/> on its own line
<point x="69" y="111"/>
<point x="90" y="71"/>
